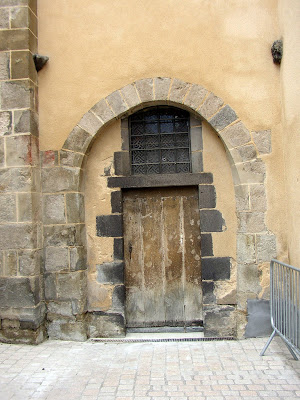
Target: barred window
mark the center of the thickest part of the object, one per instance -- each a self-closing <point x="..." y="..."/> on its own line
<point x="160" y="141"/>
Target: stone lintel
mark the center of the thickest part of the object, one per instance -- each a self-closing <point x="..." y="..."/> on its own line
<point x="143" y="181"/>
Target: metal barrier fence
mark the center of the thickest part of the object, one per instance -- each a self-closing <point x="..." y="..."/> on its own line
<point x="285" y="306"/>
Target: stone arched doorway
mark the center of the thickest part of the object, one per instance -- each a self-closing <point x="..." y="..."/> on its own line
<point x="65" y="281"/>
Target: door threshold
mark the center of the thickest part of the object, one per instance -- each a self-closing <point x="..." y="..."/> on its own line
<point x="164" y="335"/>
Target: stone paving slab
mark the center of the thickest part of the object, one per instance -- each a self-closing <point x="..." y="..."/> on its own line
<point x="211" y="370"/>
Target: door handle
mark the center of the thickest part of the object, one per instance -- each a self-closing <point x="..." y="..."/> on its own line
<point x="130" y="250"/>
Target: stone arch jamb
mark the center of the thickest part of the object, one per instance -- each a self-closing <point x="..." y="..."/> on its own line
<point x="64" y="235"/>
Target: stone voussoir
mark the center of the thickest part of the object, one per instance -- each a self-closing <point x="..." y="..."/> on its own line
<point x="117" y="103"/>
<point x="145" y="89"/>
<point x="130" y="95"/>
<point x="103" y="111"/>
<point x="236" y="135"/>
<point x="161" y="88"/>
<point x="210" y="106"/>
<point x="78" y="140"/>
<point x="223" y="118"/>
<point x="90" y="123"/>
<point x="178" y="91"/>
<point x="195" y="96"/>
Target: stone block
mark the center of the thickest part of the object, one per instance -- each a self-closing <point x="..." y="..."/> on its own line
<point x="262" y="140"/>
<point x="75" y="207"/>
<point x="59" y="309"/>
<point x="265" y="248"/>
<point x="196" y="138"/>
<point x="227" y="298"/>
<point x="210" y="106"/>
<point x="60" y="179"/>
<point x="30" y="262"/>
<point x="145" y="89"/>
<point x="242" y="198"/>
<point x="259" y="319"/>
<point x="130" y="96"/>
<point x="248" y="278"/>
<point x="116" y="202"/>
<point x="72" y="286"/>
<point x="21" y="151"/>
<point x="10" y="263"/>
<point x="207" y="196"/>
<point x="211" y="221"/>
<point x="19" y="292"/>
<point x="16" y="94"/>
<point x="125" y="134"/>
<point x="246" y="249"/>
<point x="223" y="118"/>
<point x="195" y="96"/>
<point x="111" y="273"/>
<point x="216" y="268"/>
<point x="258" y="199"/>
<point x="122" y="163"/>
<point x="251" y="222"/>
<point x="103" y="111"/>
<point x="8" y="211"/>
<point x="77" y="258"/>
<point x="178" y="90"/>
<point x="4" y="65"/>
<point x="54" y="209"/>
<point x="22" y="65"/>
<point x="5" y="123"/>
<point x="28" y="207"/>
<point x="161" y="88"/>
<point x="90" y="123"/>
<point x="243" y="153"/>
<point x="2" y="272"/>
<point x="78" y="140"/>
<point x="19" y="179"/>
<point x="26" y="121"/>
<point x="56" y="259"/>
<point x="18" y="236"/>
<point x="208" y="292"/>
<point x="117" y="103"/>
<point x="50" y="286"/>
<point x="109" y="225"/>
<point x="2" y="155"/>
<point x="236" y="135"/>
<point x="106" y="325"/>
<point x="4" y="18"/>
<point x="118" y="249"/>
<point x="197" y="162"/>
<point x="49" y="158"/>
<point x="118" y="298"/>
<point x="206" y="245"/>
<point x="67" y="330"/>
<point x="71" y="159"/>
<point x="64" y="235"/>
<point x="16" y="39"/>
<point x="219" y="321"/>
<point x="251" y="171"/>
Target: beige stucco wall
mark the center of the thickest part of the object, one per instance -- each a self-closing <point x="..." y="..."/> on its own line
<point x="99" y="47"/>
<point x="223" y="45"/>
<point x="97" y="195"/>
<point x="289" y="12"/>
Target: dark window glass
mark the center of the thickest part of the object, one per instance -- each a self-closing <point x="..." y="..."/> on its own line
<point x="160" y="141"/>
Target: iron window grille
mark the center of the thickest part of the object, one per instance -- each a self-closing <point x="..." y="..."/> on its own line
<point x="160" y="141"/>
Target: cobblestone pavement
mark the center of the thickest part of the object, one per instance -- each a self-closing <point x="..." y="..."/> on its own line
<point x="214" y="370"/>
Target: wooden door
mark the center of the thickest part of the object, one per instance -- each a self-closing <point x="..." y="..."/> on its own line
<point x="162" y="257"/>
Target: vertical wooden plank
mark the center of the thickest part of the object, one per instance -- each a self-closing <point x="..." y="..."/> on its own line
<point x="152" y="245"/>
<point x="173" y="259"/>
<point x="133" y="254"/>
<point x="192" y="262"/>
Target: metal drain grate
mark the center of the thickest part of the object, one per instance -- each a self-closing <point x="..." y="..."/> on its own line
<point x="144" y="340"/>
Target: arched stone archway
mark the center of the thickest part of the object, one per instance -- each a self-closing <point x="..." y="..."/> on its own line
<point x="64" y="234"/>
